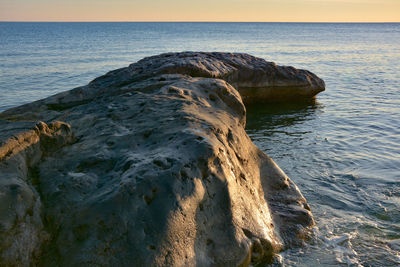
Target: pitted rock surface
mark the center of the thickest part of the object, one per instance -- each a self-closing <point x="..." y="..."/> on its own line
<point x="149" y="165"/>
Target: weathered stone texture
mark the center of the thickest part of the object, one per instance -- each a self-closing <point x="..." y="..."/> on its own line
<point x="151" y="166"/>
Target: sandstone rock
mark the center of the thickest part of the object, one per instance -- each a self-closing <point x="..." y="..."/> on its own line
<point x="22" y="145"/>
<point x="155" y="169"/>
<point x="256" y="79"/>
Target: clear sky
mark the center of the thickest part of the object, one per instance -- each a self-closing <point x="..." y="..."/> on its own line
<point x="204" y="10"/>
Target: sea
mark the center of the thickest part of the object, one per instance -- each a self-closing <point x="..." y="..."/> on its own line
<point x="341" y="149"/>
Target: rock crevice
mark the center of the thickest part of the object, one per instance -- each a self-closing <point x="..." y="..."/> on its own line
<point x="23" y="144"/>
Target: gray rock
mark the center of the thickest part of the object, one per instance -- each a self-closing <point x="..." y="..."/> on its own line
<point x="151" y="167"/>
<point x="256" y="79"/>
<point x="22" y="145"/>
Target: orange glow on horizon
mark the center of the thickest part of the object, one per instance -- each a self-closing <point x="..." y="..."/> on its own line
<point x="206" y="10"/>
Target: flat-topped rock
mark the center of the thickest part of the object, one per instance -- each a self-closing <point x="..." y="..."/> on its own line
<point x="257" y="80"/>
<point x="148" y="165"/>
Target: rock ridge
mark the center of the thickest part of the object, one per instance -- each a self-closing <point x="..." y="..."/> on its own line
<point x="150" y="165"/>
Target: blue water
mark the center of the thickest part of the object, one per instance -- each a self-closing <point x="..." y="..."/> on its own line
<point x="343" y="150"/>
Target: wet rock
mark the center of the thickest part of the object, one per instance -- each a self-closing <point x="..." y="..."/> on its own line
<point x="152" y="167"/>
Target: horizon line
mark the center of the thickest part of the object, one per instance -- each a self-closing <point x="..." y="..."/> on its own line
<point x="194" y="21"/>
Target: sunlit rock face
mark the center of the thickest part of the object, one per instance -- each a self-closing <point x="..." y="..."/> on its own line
<point x="256" y="79"/>
<point x="149" y="165"/>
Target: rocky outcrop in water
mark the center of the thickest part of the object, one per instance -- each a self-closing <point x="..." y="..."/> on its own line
<point x="150" y="165"/>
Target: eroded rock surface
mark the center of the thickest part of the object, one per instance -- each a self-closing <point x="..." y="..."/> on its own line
<point x="22" y="145"/>
<point x="149" y="165"/>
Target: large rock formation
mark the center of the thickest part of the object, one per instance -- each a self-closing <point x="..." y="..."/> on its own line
<point x="150" y="165"/>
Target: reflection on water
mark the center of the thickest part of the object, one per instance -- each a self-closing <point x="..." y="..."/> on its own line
<point x="356" y="211"/>
<point x="277" y="116"/>
<point x="281" y="125"/>
<point x="342" y="151"/>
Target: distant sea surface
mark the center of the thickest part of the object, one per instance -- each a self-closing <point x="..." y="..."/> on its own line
<point x="342" y="150"/>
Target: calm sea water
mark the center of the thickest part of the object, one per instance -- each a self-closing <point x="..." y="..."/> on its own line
<point x="343" y="150"/>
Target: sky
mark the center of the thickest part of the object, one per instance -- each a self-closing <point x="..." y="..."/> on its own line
<point x="202" y="10"/>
